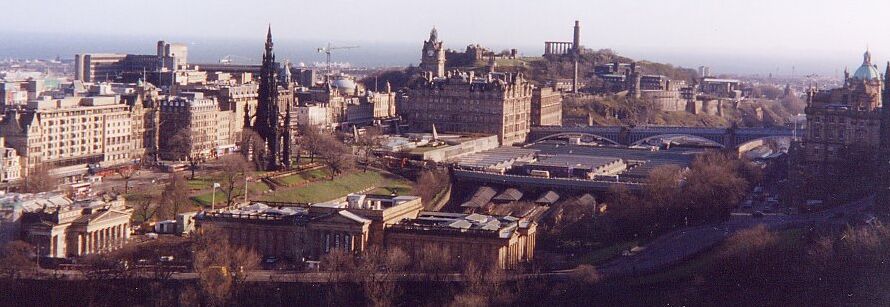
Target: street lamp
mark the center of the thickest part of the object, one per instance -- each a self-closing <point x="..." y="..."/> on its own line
<point x="213" y="196"/>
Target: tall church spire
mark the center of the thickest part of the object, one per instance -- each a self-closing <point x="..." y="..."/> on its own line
<point x="269" y="38"/>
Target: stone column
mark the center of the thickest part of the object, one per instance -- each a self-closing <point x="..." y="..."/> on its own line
<point x="102" y="239"/>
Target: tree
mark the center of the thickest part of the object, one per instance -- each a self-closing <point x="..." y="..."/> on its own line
<point x="713" y="187"/>
<point x="430" y="183"/>
<point x="126" y="173"/>
<point x="145" y="207"/>
<point x="39" y="180"/>
<point x="174" y="197"/>
<point x="482" y="284"/>
<point x="662" y="198"/>
<point x="234" y="170"/>
<point x="434" y="260"/>
<point x="336" y="155"/>
<point x="181" y="146"/>
<point x="338" y="261"/>
<point x="221" y="267"/>
<point x="367" y="142"/>
<point x="376" y="272"/>
<point x="310" y="140"/>
<point x="15" y="258"/>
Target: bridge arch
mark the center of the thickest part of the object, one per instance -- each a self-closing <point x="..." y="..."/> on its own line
<point x="678" y="135"/>
<point x="576" y="134"/>
<point x="750" y="144"/>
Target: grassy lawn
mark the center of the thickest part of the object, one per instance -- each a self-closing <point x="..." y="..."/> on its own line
<point x="309" y="175"/>
<point x="325" y="190"/>
<point x="254" y="188"/>
<point x="602" y="254"/>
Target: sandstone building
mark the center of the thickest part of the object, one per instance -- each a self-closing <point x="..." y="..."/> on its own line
<point x="432" y="58"/>
<point x="70" y="134"/>
<point x="308" y="231"/>
<point x="844" y="117"/>
<point x="502" y="241"/>
<point x="546" y="108"/>
<point x="496" y="104"/>
<point x="298" y="231"/>
<point x="60" y="227"/>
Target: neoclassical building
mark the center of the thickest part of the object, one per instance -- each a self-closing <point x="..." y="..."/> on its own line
<point x="60" y="227"/>
<point x="502" y="241"/>
<point x="308" y="231"/>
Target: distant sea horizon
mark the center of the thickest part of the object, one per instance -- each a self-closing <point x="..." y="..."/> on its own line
<point x="387" y="54"/>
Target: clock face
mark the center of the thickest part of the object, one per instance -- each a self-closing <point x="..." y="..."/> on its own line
<point x="430" y="52"/>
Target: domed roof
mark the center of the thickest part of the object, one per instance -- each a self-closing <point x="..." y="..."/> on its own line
<point x="867" y="71"/>
<point x="344" y="85"/>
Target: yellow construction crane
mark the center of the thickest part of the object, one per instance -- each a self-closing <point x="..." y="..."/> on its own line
<point x="327" y="51"/>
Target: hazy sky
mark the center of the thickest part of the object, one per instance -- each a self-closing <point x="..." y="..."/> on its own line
<point x="815" y="35"/>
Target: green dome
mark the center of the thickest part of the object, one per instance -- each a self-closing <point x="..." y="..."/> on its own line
<point x="867" y="72"/>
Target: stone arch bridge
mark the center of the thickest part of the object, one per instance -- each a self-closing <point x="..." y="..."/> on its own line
<point x="729" y="138"/>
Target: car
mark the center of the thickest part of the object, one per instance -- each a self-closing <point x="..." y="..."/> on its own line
<point x="757" y="214"/>
<point x="270" y="262"/>
<point x="747" y="207"/>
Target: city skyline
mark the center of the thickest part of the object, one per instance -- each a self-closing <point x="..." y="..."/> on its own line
<point x="720" y="35"/>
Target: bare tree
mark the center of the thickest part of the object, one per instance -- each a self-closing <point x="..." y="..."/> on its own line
<point x="16" y="258"/>
<point x="434" y="260"/>
<point x="102" y="267"/>
<point x="174" y="197"/>
<point x="367" y="142"/>
<point x="338" y="263"/>
<point x="310" y="138"/>
<point x="126" y="173"/>
<point x="430" y="183"/>
<point x="482" y="284"/>
<point x="234" y="169"/>
<point x="221" y="266"/>
<point x="713" y="187"/>
<point x="181" y="147"/>
<point x="145" y="207"/>
<point x="336" y="155"/>
<point x="39" y="180"/>
<point x="377" y="272"/>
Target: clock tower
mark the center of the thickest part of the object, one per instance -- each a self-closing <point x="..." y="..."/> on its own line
<point x="433" y="57"/>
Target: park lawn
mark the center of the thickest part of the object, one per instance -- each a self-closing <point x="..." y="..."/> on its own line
<point x="325" y="190"/>
<point x="310" y="175"/>
<point x="254" y="188"/>
<point x="599" y="255"/>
